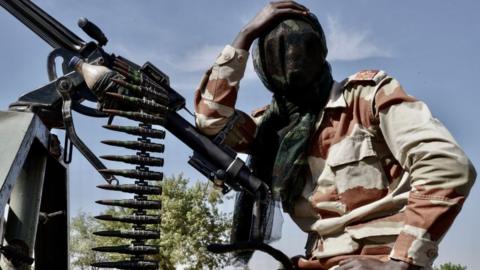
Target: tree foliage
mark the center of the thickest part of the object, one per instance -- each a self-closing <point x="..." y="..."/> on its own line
<point x="82" y="240"/>
<point x="450" y="266"/>
<point x="190" y="220"/>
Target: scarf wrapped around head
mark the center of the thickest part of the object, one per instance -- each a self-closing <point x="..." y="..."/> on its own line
<point x="290" y="61"/>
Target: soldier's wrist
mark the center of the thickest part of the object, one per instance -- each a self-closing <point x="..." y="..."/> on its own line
<point x="243" y="40"/>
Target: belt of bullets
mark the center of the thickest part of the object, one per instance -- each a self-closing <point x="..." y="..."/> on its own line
<point x="148" y="106"/>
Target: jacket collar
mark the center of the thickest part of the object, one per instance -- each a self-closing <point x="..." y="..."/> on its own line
<point x="336" y="98"/>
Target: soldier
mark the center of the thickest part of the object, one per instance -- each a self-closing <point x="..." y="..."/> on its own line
<point x="359" y="165"/>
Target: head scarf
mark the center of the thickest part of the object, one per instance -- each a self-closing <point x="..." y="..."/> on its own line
<point x="290" y="61"/>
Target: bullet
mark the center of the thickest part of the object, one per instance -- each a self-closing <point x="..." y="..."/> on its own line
<point x="151" y="91"/>
<point x="135" y="159"/>
<point x="132" y="203"/>
<point x="138" y="116"/>
<point x="145" y="175"/>
<point x="137" y="76"/>
<point x="136" y="145"/>
<point x="126" y="74"/>
<point x="120" y="62"/>
<point x="139" y="131"/>
<point x="128" y="71"/>
<point x="132" y="188"/>
<point x="117" y="63"/>
<point x="133" y="234"/>
<point x="128" y="265"/>
<point x="130" y="249"/>
<point x="143" y="104"/>
<point x="135" y="219"/>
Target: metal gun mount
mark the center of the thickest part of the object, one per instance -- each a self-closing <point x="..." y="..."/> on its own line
<point x="35" y="184"/>
<point x="34" y="170"/>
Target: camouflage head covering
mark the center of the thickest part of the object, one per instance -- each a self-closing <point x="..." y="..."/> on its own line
<point x="291" y="56"/>
<point x="290" y="61"/>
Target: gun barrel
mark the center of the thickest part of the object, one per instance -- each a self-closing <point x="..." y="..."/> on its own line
<point x="46" y="27"/>
<point x="185" y="132"/>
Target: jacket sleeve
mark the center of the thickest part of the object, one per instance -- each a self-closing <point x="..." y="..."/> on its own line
<point x="441" y="174"/>
<point x="216" y="96"/>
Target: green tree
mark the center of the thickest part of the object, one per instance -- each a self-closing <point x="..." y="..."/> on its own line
<point x="450" y="266"/>
<point x="81" y="241"/>
<point x="190" y="220"/>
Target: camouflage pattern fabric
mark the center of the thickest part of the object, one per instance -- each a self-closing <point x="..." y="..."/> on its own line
<point x="387" y="178"/>
<point x="292" y="56"/>
<point x="290" y="60"/>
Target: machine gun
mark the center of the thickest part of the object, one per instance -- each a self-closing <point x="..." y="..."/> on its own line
<point x="153" y="102"/>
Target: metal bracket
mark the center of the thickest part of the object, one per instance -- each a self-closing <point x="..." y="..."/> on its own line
<point x="45" y="217"/>
<point x="64" y="87"/>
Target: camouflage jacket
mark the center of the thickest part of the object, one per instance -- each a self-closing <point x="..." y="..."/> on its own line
<point x="387" y="178"/>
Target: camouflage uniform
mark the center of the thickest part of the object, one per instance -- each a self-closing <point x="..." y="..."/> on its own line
<point x="387" y="178"/>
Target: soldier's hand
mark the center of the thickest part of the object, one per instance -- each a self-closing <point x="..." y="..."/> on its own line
<point x="373" y="264"/>
<point x="265" y="20"/>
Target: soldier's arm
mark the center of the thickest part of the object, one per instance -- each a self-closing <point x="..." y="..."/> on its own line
<point x="266" y="19"/>
<point x="216" y="97"/>
<point x="441" y="174"/>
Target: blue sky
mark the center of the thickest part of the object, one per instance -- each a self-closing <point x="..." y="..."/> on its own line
<point x="431" y="47"/>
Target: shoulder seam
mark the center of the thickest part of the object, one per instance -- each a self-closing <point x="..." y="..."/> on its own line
<point x="367" y="75"/>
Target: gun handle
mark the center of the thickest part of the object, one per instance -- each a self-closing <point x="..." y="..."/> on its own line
<point x="93" y="31"/>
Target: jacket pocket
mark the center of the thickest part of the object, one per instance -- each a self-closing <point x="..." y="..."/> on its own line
<point x="350" y="149"/>
<point x="356" y="171"/>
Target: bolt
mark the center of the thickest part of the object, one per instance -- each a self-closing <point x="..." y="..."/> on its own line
<point x="64" y="85"/>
